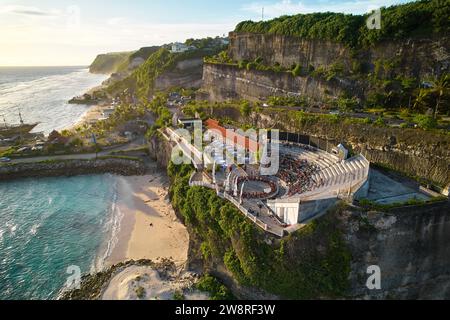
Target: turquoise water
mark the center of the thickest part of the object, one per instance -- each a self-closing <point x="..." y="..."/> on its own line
<point x="47" y="225"/>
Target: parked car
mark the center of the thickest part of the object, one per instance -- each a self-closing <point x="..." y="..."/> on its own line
<point x="5" y="159"/>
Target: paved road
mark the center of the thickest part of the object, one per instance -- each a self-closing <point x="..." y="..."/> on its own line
<point x="132" y="145"/>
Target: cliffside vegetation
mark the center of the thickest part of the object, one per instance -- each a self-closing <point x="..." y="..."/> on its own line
<point x="312" y="263"/>
<point x="109" y="63"/>
<point x="411" y="19"/>
<point x="142" y="80"/>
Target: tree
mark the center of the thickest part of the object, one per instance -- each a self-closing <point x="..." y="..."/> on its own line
<point x="421" y="100"/>
<point x="440" y="88"/>
<point x="246" y="109"/>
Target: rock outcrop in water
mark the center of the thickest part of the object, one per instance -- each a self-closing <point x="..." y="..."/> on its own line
<point x="125" y="167"/>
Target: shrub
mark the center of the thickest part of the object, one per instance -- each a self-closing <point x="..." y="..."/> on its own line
<point x="140" y="293"/>
<point x="380" y="122"/>
<point x="296" y="72"/>
<point x="178" y="296"/>
<point x="425" y="122"/>
<point x="216" y="289"/>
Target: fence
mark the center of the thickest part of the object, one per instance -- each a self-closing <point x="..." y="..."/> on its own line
<point x="318" y="143"/>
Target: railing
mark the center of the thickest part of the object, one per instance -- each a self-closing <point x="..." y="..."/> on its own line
<point x="203" y="184"/>
<point x="252" y="218"/>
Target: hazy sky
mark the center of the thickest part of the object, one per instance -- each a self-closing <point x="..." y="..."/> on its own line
<point x="73" y="32"/>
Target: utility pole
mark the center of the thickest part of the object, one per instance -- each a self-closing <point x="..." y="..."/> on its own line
<point x="20" y="117"/>
<point x="4" y="121"/>
<point x="262" y="15"/>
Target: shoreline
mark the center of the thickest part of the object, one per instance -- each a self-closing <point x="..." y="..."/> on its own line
<point x="148" y="227"/>
<point x="92" y="115"/>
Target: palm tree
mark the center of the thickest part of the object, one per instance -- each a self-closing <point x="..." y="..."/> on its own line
<point x="440" y="88"/>
<point x="421" y="99"/>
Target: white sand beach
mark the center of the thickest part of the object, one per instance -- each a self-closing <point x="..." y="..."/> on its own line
<point x="149" y="227"/>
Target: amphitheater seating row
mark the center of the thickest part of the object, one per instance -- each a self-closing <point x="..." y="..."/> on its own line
<point x="344" y="173"/>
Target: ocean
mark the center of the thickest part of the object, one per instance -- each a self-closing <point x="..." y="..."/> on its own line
<point x="48" y="225"/>
<point x="41" y="94"/>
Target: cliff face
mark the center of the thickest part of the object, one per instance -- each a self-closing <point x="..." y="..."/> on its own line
<point x="410" y="245"/>
<point x="413" y="58"/>
<point x="418" y="58"/>
<point x="284" y="50"/>
<point x="187" y="73"/>
<point x="227" y="82"/>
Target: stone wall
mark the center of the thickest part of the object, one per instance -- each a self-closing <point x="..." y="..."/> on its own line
<point x="117" y="166"/>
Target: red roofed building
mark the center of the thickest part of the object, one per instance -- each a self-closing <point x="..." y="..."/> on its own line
<point x="234" y="139"/>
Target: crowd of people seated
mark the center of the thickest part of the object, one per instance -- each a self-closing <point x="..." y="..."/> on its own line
<point x="293" y="145"/>
<point x="258" y="195"/>
<point x="297" y="173"/>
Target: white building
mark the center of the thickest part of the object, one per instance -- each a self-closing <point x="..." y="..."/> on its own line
<point x="108" y="112"/>
<point x="179" y="47"/>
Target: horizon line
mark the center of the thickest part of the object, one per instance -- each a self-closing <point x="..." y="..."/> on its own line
<point x="43" y="66"/>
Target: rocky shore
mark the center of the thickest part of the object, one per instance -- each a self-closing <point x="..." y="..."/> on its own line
<point x="166" y="283"/>
<point x="119" y="166"/>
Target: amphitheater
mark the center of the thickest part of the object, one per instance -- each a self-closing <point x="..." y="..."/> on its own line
<point x="311" y="178"/>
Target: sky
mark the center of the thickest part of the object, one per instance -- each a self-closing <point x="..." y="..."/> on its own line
<point x="74" y="32"/>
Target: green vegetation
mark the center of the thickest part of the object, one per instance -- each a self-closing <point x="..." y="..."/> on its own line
<point x="179" y="296"/>
<point x="399" y="22"/>
<point x="142" y="80"/>
<point x="215" y="288"/>
<point x="292" y="269"/>
<point x="291" y="101"/>
<point x="371" y="205"/>
<point x="110" y="62"/>
<point x="140" y="293"/>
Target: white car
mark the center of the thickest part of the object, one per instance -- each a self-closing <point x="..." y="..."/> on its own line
<point x="5" y="159"/>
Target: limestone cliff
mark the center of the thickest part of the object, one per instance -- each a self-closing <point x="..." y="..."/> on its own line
<point x="187" y="74"/>
<point x="418" y="57"/>
<point x="227" y="82"/>
<point x="360" y="72"/>
<point x="410" y="245"/>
